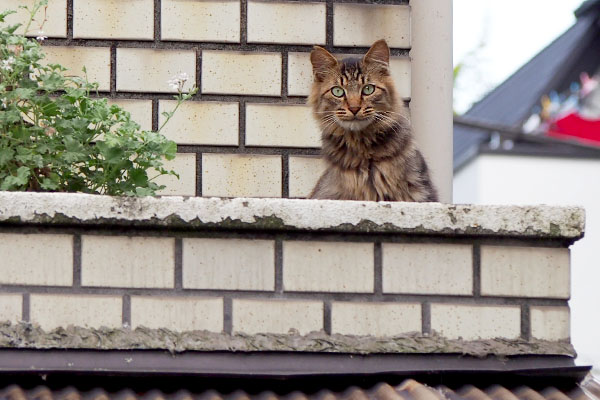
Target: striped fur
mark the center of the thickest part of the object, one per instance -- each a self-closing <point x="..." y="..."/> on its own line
<point x="367" y="139"/>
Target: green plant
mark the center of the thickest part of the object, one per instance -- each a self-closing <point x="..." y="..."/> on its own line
<point x="57" y="135"/>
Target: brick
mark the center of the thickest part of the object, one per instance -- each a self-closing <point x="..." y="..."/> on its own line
<point x="130" y="262"/>
<point x="281" y="125"/>
<point x="375" y="319"/>
<point x="550" y="323"/>
<point x="525" y="271"/>
<point x="36" y="259"/>
<point x="184" y="164"/>
<point x="95" y="59"/>
<point x="56" y="14"/>
<point x="363" y="24"/>
<point x="427" y="268"/>
<point x="232" y="72"/>
<point x="140" y="110"/>
<point x="304" y="172"/>
<point x="328" y="266"/>
<point x="11" y="307"/>
<point x="113" y="19"/>
<point x="148" y="70"/>
<point x="286" y="22"/>
<point x="300" y="74"/>
<point x="202" y="21"/>
<point x="201" y="122"/>
<point x="232" y="264"/>
<point x="472" y="322"/>
<point x="52" y="311"/>
<point x="240" y="175"/>
<point x="179" y="314"/>
<point x="277" y="316"/>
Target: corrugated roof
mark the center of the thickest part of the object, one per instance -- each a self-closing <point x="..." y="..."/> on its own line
<point x="512" y="101"/>
<point x="408" y="390"/>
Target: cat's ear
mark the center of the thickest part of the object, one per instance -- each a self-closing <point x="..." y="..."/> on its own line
<point x="322" y="62"/>
<point x="378" y="55"/>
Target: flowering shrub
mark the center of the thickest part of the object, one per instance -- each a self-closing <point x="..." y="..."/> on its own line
<point x="57" y="135"/>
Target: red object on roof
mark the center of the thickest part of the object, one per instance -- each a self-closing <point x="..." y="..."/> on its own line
<point x="575" y="126"/>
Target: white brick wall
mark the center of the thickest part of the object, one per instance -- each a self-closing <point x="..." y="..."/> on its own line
<point x="231" y="264"/>
<point x="148" y="70"/>
<point x="140" y="110"/>
<point x="113" y="19"/>
<point x="202" y="123"/>
<point x="277" y="316"/>
<point x="184" y="165"/>
<point x="36" y="259"/>
<point x="472" y="322"/>
<point x="177" y="313"/>
<point x="234" y="72"/>
<point x="375" y="319"/>
<point x="550" y="323"/>
<point x="305" y="171"/>
<point x="328" y="266"/>
<point x="281" y="126"/>
<point x="525" y="271"/>
<point x="286" y="22"/>
<point x="96" y="61"/>
<point x="52" y="310"/>
<point x="54" y="27"/>
<point x="237" y="175"/>
<point x="203" y="21"/>
<point x="11" y="306"/>
<point x="430" y="268"/>
<point x="122" y="261"/>
<point x="389" y="22"/>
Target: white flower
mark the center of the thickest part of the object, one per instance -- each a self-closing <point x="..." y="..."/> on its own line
<point x="7" y="64"/>
<point x="177" y="82"/>
<point x="5" y="103"/>
<point x="41" y="37"/>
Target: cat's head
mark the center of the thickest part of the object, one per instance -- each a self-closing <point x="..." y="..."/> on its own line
<point x="353" y="93"/>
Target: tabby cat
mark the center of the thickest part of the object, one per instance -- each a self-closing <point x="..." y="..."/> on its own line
<point x="367" y="139"/>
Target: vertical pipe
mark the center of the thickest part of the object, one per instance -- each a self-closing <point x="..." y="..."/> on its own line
<point x="431" y="87"/>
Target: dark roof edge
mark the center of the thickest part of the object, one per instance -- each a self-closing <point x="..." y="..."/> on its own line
<point x="586" y="7"/>
<point x="276" y="364"/>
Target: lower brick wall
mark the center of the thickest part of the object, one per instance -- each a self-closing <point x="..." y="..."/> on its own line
<point x="281" y="280"/>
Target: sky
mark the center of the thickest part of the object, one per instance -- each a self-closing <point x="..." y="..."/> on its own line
<point x="494" y="38"/>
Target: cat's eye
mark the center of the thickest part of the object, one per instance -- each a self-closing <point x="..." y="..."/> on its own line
<point x="368" y="89"/>
<point x="337" y="91"/>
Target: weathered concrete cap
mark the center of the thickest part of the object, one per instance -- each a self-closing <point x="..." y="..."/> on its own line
<point x="293" y="215"/>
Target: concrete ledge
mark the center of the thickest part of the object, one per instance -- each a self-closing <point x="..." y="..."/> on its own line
<point x="27" y="336"/>
<point x="566" y="223"/>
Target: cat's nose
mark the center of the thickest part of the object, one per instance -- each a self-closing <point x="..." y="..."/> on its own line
<point x="354" y="110"/>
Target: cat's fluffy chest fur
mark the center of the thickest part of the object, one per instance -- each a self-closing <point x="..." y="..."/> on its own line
<point x="367" y="140"/>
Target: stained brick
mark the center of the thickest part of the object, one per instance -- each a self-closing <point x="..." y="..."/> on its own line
<point x="177" y="313"/>
<point x="241" y="175"/>
<point x="233" y="72"/>
<point x="232" y="264"/>
<point x="113" y="19"/>
<point x="281" y="125"/>
<point x="328" y="266"/>
<point x="286" y="22"/>
<point x="36" y="259"/>
<point x="51" y="311"/>
<point x="375" y="319"/>
<point x="525" y="271"/>
<point x="277" y="316"/>
<point x="131" y="262"/>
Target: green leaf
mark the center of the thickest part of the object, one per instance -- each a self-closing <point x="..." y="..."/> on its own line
<point x="6" y="13"/>
<point x="18" y="182"/>
<point x="6" y="155"/>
